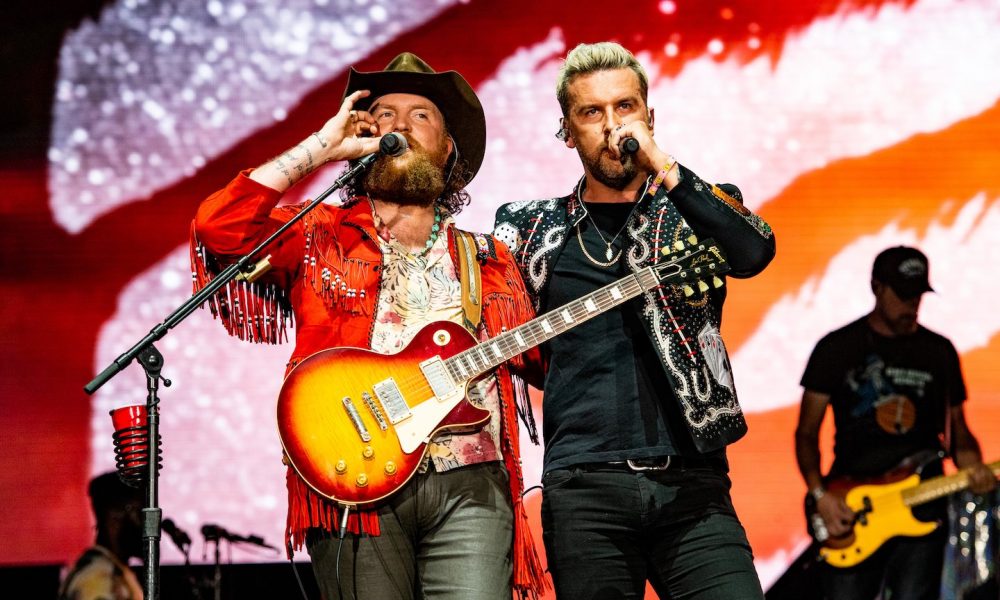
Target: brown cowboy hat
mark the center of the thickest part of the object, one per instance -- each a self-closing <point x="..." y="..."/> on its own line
<point x="449" y="91"/>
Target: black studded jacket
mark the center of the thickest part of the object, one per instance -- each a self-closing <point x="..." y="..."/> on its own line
<point x="684" y="329"/>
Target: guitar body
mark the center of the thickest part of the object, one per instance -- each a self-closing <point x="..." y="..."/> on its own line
<point x="886" y="515"/>
<point x="335" y="399"/>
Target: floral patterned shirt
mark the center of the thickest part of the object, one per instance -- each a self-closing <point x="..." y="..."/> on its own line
<point x="418" y="289"/>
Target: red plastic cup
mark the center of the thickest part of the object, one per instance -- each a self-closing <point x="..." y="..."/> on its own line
<point x="131" y="436"/>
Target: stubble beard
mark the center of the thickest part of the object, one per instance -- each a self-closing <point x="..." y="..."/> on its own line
<point x="613" y="173"/>
<point x="415" y="178"/>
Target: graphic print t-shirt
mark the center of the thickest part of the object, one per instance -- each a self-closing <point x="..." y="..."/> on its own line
<point x="889" y="394"/>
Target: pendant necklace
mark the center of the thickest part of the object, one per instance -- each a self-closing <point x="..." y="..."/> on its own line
<point x="609" y="253"/>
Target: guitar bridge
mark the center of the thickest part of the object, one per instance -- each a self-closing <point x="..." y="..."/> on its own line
<point x="437" y="377"/>
<point x="375" y="410"/>
<point x="352" y="414"/>
<point x="392" y="399"/>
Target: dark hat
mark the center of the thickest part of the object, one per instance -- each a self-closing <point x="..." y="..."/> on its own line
<point x="454" y="97"/>
<point x="904" y="269"/>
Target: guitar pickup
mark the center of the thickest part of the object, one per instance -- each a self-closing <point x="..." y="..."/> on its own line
<point x="375" y="410"/>
<point x="392" y="399"/>
<point x="437" y="377"/>
<point x="352" y="414"/>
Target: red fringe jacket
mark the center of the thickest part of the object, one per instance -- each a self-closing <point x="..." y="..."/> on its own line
<point x="326" y="275"/>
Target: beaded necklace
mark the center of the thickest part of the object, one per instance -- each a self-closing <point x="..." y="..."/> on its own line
<point x="386" y="234"/>
<point x="435" y="230"/>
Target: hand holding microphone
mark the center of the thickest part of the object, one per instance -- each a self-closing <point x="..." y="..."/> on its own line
<point x="629" y="138"/>
<point x="628" y="146"/>
<point x="634" y="141"/>
<point x="348" y="135"/>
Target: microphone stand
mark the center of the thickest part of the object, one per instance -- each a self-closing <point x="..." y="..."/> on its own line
<point x="150" y="359"/>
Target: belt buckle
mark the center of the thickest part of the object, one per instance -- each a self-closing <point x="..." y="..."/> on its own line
<point x="637" y="467"/>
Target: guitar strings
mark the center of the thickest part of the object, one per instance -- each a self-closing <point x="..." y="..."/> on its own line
<point x="529" y="330"/>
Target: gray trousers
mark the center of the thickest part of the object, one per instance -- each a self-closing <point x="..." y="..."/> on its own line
<point x="443" y="536"/>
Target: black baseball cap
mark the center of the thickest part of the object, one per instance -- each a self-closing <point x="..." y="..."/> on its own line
<point x="904" y="269"/>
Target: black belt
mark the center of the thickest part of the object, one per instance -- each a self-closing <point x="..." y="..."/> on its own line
<point x="657" y="463"/>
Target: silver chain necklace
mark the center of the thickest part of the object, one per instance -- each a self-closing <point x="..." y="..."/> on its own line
<point x="608" y="254"/>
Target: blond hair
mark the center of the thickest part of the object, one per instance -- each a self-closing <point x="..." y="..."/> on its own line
<point x="589" y="58"/>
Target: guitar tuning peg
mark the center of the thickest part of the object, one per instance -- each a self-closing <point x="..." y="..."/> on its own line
<point x="678" y="245"/>
<point x="688" y="291"/>
<point x="702" y="286"/>
<point x="692" y="239"/>
<point x="716" y="282"/>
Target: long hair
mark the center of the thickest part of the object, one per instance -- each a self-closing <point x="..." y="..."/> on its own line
<point x="590" y="58"/>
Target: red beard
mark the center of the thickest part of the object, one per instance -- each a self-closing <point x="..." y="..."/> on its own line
<point x="415" y="177"/>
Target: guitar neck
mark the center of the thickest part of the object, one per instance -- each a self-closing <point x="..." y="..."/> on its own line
<point x="942" y="486"/>
<point x="495" y="351"/>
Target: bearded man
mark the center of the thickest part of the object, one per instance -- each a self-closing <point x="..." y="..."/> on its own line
<point x="370" y="274"/>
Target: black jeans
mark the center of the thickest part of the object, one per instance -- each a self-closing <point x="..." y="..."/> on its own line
<point x="608" y="532"/>
<point x="907" y="568"/>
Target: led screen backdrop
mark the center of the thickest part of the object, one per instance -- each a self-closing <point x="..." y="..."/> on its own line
<point x="850" y="126"/>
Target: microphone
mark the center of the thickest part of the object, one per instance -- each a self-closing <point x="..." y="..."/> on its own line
<point x="394" y="144"/>
<point x="628" y="145"/>
<point x="214" y="533"/>
<point x="180" y="538"/>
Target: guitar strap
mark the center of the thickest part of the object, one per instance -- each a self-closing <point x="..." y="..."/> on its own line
<point x="468" y="273"/>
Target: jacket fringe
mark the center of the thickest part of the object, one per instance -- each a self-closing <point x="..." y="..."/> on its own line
<point x="307" y="510"/>
<point x="256" y="312"/>
<point x="503" y="312"/>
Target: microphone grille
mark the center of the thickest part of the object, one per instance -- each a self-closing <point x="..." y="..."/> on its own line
<point x="393" y="144"/>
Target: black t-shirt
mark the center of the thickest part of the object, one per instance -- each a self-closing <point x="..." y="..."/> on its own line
<point x="607" y="397"/>
<point x="889" y="394"/>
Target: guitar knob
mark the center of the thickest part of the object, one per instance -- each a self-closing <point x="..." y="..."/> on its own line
<point x="716" y="282"/>
<point x="341" y="467"/>
<point x="362" y="480"/>
<point x="692" y="239"/>
<point x="368" y="453"/>
<point x="678" y="245"/>
<point x="390" y="468"/>
<point x="688" y="291"/>
<point x="702" y="286"/>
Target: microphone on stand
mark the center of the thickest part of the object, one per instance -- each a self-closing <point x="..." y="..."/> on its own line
<point x="214" y="533"/>
<point x="628" y="145"/>
<point x="177" y="535"/>
<point x="394" y="144"/>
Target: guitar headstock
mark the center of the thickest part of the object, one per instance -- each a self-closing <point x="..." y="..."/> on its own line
<point x="692" y="263"/>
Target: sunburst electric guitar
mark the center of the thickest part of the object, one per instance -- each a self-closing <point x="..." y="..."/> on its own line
<point x="355" y="424"/>
<point x="883" y="510"/>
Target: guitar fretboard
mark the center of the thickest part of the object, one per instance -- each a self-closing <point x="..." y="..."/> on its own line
<point x="942" y="486"/>
<point x="487" y="355"/>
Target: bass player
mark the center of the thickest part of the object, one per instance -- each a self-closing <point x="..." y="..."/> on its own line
<point x="897" y="393"/>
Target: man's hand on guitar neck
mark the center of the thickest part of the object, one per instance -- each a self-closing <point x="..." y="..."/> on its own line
<point x="838" y="517"/>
